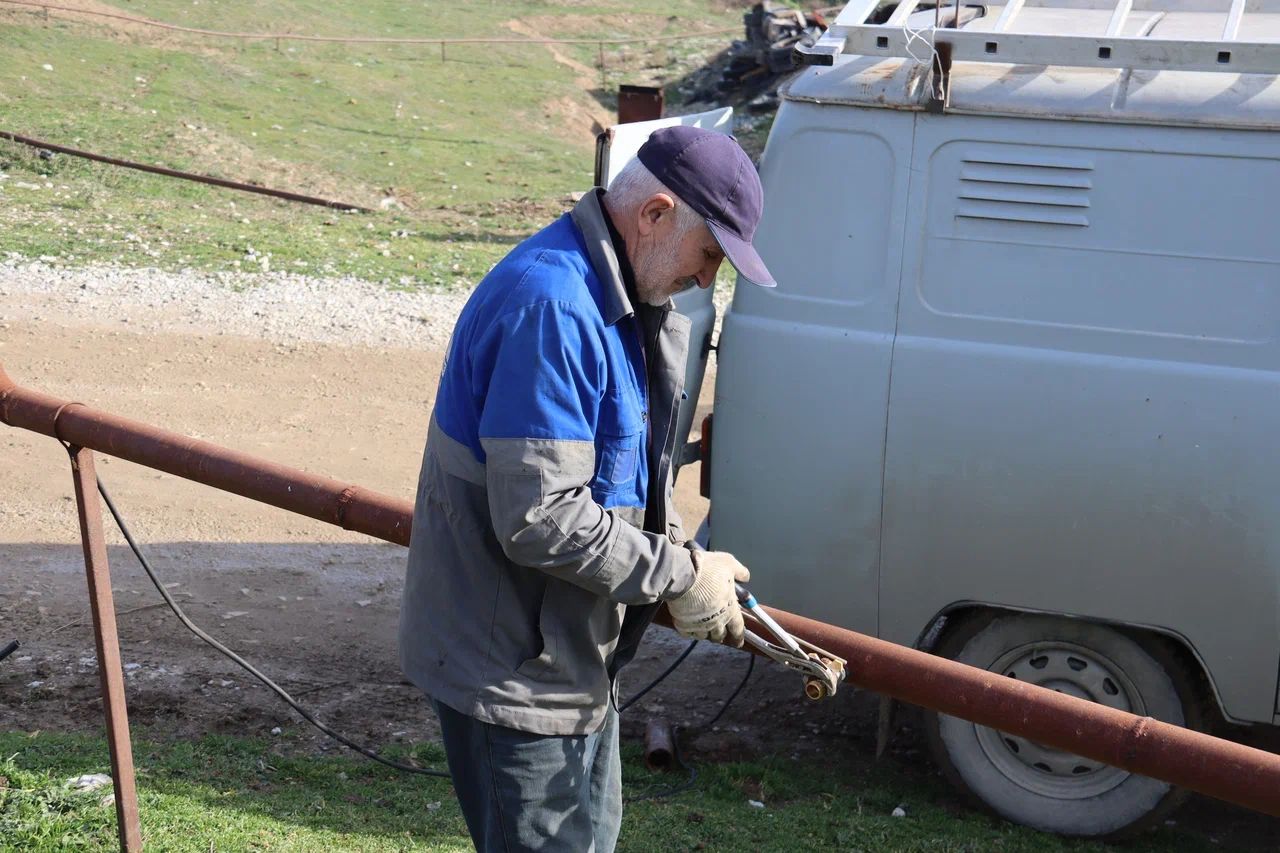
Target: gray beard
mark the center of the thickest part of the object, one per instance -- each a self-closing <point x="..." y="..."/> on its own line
<point x="655" y="274"/>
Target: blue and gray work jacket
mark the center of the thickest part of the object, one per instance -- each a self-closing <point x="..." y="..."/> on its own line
<point x="544" y="533"/>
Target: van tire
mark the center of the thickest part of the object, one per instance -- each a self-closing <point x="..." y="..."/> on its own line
<point x="1047" y="789"/>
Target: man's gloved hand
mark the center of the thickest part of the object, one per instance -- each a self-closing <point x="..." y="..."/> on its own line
<point x="709" y="610"/>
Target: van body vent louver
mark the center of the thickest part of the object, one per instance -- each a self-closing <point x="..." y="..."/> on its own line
<point x="1044" y="190"/>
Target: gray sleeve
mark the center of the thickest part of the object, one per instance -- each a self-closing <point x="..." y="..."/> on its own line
<point x="545" y="518"/>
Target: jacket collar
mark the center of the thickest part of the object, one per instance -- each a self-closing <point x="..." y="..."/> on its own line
<point x="589" y="216"/>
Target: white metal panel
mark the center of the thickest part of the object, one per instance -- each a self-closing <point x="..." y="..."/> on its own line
<point x="1081" y="418"/>
<point x="797" y="453"/>
<point x="1141" y="97"/>
<point x="624" y="140"/>
<point x="1020" y="37"/>
<point x="619" y="147"/>
<point x="1060" y="62"/>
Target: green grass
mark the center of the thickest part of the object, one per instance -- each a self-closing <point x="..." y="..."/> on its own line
<point x="470" y="153"/>
<point x="230" y="794"/>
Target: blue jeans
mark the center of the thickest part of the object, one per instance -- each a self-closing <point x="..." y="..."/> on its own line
<point x="525" y="791"/>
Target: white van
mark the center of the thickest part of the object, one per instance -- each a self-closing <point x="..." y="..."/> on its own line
<point x="1017" y="394"/>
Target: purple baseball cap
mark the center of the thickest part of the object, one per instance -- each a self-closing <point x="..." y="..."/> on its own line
<point x="711" y="173"/>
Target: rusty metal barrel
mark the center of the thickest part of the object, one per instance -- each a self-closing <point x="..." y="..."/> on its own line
<point x="1219" y="768"/>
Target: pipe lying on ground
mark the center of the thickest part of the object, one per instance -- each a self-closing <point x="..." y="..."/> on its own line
<point x="1219" y="768"/>
<point x="178" y="173"/>
<point x="659" y="745"/>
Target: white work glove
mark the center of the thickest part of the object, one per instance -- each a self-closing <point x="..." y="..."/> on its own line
<point x="709" y="609"/>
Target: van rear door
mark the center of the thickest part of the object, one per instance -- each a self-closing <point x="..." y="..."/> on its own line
<point x="616" y="147"/>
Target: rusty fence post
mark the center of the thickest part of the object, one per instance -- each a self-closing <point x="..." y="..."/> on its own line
<point x="108" y="645"/>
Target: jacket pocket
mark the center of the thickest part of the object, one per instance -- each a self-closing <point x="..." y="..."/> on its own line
<point x="548" y="632"/>
<point x="579" y="631"/>
<point x="619" y="459"/>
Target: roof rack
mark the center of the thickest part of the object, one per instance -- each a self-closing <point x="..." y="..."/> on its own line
<point x="855" y="32"/>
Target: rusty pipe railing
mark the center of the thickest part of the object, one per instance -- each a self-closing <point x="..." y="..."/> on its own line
<point x="1213" y="766"/>
<point x="322" y="498"/>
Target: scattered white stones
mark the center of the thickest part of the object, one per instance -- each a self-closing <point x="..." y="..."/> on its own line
<point x="89" y="781"/>
<point x="276" y="730"/>
<point x="280" y="306"/>
<point x="755" y="804"/>
<point x="433" y="807"/>
<point x="899" y="811"/>
<point x="235" y="614"/>
<point x="34" y="684"/>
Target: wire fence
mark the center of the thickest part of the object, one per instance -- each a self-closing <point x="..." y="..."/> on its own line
<point x="442" y="42"/>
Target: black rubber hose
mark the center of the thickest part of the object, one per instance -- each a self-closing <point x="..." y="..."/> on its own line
<point x="248" y="667"/>
<point x="347" y="742"/>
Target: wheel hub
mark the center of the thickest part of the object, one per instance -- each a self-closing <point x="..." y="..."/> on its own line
<point x="1074" y="671"/>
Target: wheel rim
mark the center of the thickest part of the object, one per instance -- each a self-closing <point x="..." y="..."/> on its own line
<point x="1075" y="671"/>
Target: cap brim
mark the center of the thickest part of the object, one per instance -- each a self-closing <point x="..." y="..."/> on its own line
<point x="743" y="256"/>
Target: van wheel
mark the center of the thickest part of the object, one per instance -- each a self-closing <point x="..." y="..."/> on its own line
<point x="1045" y="788"/>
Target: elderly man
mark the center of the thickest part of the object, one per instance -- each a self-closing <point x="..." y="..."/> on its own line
<point x="544" y="532"/>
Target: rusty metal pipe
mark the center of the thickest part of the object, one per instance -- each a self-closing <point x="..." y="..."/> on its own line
<point x="107" y="640"/>
<point x="1219" y="768"/>
<point x="177" y="173"/>
<point x="659" y="745"/>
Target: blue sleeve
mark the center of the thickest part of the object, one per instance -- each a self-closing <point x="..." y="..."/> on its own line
<point x="543" y="371"/>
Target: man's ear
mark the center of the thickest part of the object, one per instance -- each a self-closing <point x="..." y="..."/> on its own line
<point x="652" y="211"/>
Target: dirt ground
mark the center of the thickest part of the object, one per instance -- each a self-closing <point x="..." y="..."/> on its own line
<point x="312" y="605"/>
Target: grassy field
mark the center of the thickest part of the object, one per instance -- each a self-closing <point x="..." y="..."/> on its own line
<point x="459" y="157"/>
<point x="222" y="794"/>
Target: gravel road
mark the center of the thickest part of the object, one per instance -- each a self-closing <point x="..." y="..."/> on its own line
<point x="280" y="307"/>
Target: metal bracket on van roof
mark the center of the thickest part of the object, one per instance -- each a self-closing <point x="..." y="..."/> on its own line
<point x="855" y="32"/>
